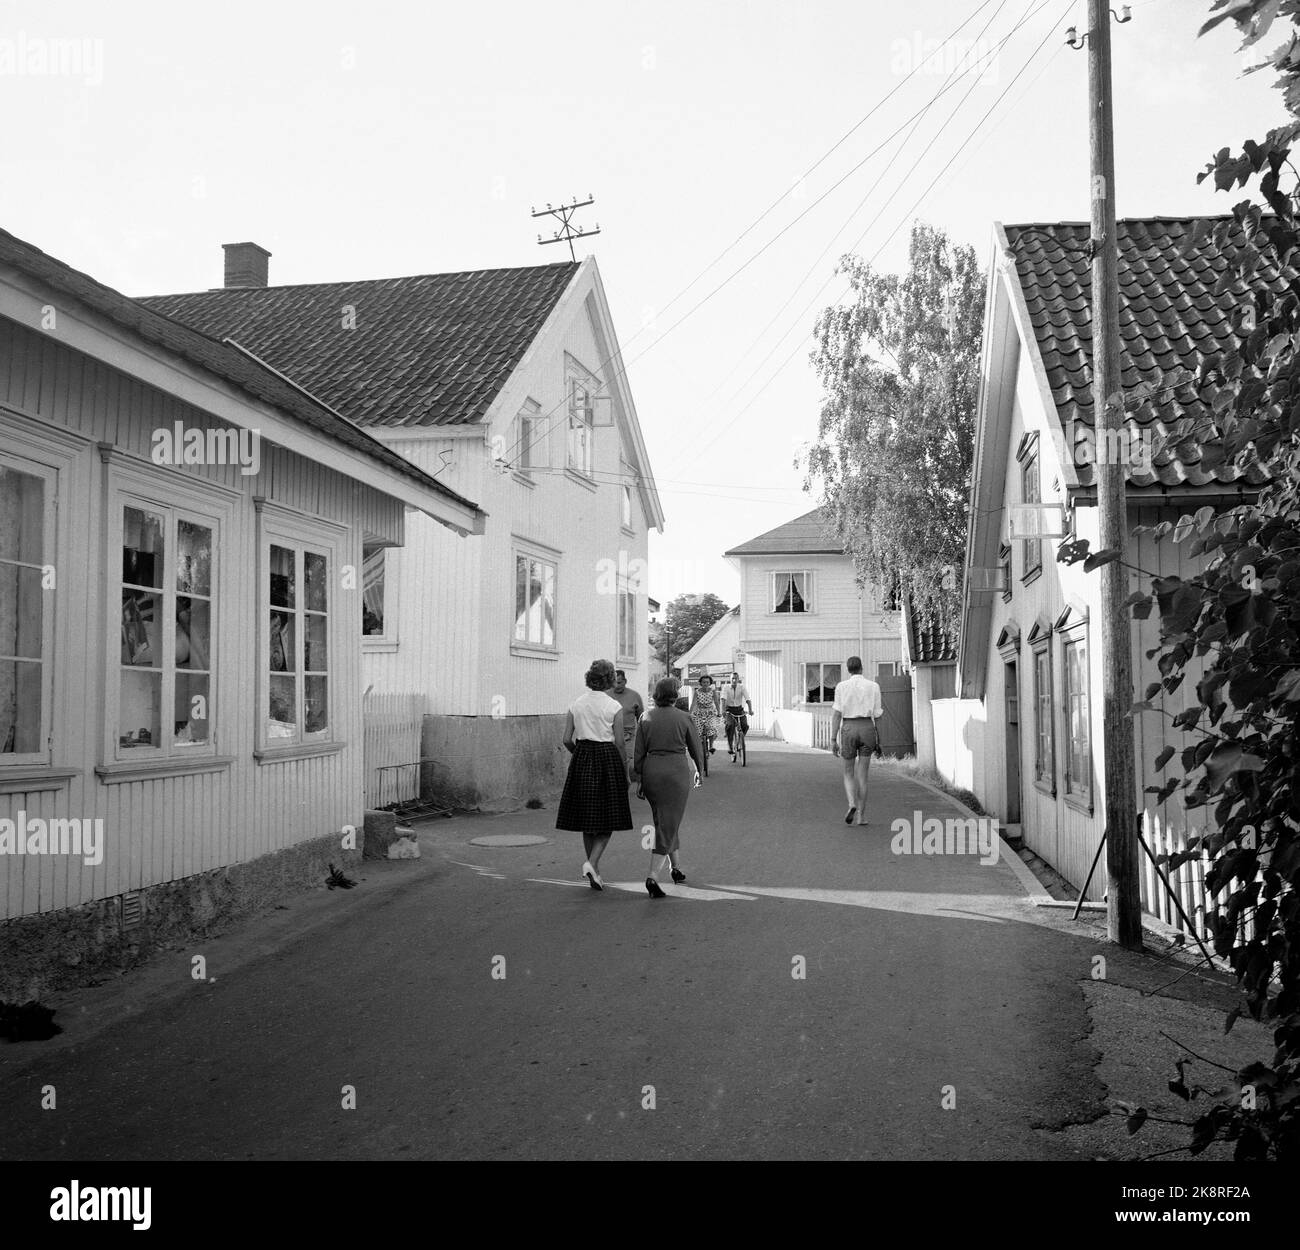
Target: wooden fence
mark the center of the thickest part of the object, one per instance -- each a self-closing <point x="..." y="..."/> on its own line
<point x="393" y="726"/>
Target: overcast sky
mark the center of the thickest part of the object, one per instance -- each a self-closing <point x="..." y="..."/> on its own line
<point x="384" y="139"/>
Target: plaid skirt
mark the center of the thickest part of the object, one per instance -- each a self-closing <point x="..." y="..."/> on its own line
<point x="595" y="791"/>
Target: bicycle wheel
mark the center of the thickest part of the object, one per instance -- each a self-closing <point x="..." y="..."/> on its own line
<point x="705" y="754"/>
<point x="740" y="745"/>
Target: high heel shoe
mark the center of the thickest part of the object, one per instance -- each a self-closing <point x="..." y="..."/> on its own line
<point x="678" y="877"/>
<point x="653" y="888"/>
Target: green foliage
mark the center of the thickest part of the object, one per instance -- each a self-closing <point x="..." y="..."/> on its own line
<point x="1241" y="615"/>
<point x="689" y="622"/>
<point x="900" y="370"/>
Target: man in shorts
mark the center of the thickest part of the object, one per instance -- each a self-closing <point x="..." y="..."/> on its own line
<point x="855" y="735"/>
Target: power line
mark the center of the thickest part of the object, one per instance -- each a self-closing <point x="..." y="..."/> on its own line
<point x="857" y="209"/>
<point x="780" y="199"/>
<point x="780" y="368"/>
<point x="549" y="419"/>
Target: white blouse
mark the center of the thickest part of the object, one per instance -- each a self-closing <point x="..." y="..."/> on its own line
<point x="594" y="715"/>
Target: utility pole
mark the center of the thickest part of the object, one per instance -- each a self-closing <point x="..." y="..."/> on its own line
<point x="1124" y="911"/>
<point x="566" y="233"/>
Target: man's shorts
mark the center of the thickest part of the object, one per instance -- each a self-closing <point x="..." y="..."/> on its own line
<point x="858" y="736"/>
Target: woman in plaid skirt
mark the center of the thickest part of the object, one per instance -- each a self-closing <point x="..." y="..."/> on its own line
<point x="594" y="802"/>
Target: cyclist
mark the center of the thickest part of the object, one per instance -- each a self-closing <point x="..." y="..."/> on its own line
<point x="735" y="699"/>
<point x="705" y="710"/>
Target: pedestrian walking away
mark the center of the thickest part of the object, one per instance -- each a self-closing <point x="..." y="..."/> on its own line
<point x="594" y="802"/>
<point x="735" y="700"/>
<point x="666" y="759"/>
<point x="704" y="709"/>
<point x="855" y="736"/>
<point x="632" y="711"/>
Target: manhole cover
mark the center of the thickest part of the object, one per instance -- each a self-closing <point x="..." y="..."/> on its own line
<point x="508" y="839"/>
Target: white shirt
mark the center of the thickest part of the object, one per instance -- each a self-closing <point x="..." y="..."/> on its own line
<point x="857" y="696"/>
<point x="735" y="695"/>
<point x="594" y="716"/>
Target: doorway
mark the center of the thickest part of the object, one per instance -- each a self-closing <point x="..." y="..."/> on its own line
<point x="1012" y="686"/>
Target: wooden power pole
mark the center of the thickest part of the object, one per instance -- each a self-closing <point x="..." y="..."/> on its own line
<point x="1124" y="912"/>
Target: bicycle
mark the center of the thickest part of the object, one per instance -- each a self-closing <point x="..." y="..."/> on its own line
<point x="737" y="744"/>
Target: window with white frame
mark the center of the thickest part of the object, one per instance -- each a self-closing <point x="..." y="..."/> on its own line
<point x="626" y="619"/>
<point x="296" y="640"/>
<point x="27" y="494"/>
<point x="1030" y="493"/>
<point x="791" y="591"/>
<point x="625" y="502"/>
<point x="820" y="681"/>
<point x="167" y="603"/>
<point x="530" y="449"/>
<point x="535" y="579"/>
<point x="582" y="421"/>
<point x="1078" y="750"/>
<point x="375" y="621"/>
<point x="1044" y="719"/>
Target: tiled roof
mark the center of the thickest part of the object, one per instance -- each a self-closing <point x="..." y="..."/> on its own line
<point x="226" y="361"/>
<point x="929" y="644"/>
<point x="423" y="351"/>
<point x="802" y="536"/>
<point x="1171" y="321"/>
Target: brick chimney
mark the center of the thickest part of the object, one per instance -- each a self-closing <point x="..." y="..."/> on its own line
<point x="245" y="264"/>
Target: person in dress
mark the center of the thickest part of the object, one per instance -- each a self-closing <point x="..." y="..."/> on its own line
<point x="666" y="760"/>
<point x="705" y="711"/>
<point x="594" y="802"/>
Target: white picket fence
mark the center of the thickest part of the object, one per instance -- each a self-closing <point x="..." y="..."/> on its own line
<point x="1187" y="881"/>
<point x="393" y="726"/>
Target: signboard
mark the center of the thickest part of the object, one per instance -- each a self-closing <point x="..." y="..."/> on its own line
<point x="1030" y="521"/>
<point x="987" y="579"/>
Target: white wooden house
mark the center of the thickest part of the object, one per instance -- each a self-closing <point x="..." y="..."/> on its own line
<point x="181" y="544"/>
<point x="1024" y="732"/>
<point x="716" y="650"/>
<point x="802" y="614"/>
<point x="507" y="385"/>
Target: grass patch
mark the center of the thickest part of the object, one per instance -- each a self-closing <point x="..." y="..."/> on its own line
<point x="908" y="766"/>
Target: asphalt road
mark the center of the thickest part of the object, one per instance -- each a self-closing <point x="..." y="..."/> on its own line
<point x="935" y="1019"/>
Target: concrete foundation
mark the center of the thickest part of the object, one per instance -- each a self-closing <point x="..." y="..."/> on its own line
<point x="496" y="764"/>
<point x="76" y="946"/>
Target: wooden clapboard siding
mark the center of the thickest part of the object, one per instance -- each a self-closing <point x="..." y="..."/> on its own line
<point x="433" y="580"/>
<point x="163" y="829"/>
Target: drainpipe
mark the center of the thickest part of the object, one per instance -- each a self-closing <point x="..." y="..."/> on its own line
<point x="860" y="623"/>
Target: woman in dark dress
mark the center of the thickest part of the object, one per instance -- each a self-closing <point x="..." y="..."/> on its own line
<point x="594" y="802"/>
<point x="665" y="736"/>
